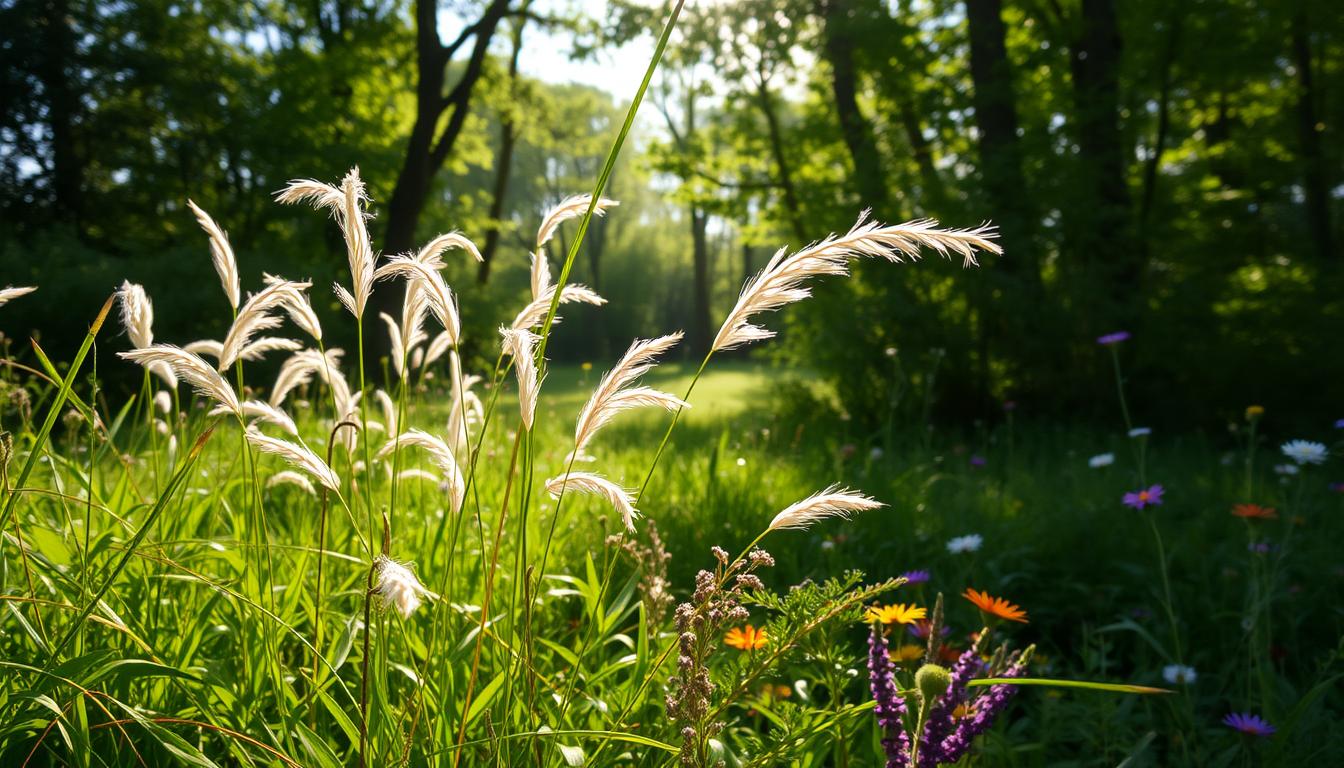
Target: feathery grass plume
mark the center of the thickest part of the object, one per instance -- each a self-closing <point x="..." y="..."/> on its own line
<point x="137" y="317"/>
<point x="418" y="474"/>
<point x="543" y="292"/>
<point x="297" y="370"/>
<point x="397" y="587"/>
<point x="263" y="412"/>
<point x="347" y="206"/>
<point x="432" y="253"/>
<point x="258" y="349"/>
<point x="424" y="283"/>
<point x="297" y="455"/>
<point x="570" y="208"/>
<point x="9" y="294"/>
<point x="299" y="307"/>
<point x="255" y="316"/>
<point x="389" y="410"/>
<point x="290" y="477"/>
<point x="832" y="502"/>
<point x="594" y="484"/>
<point x="440" y="454"/>
<point x="163" y="401"/>
<point x="782" y="280"/>
<point x="465" y="409"/>
<point x="205" y="347"/>
<point x="405" y="335"/>
<point x="221" y="253"/>
<point x="198" y="373"/>
<point x="439" y="345"/>
<point x="520" y="344"/>
<point x="615" y="394"/>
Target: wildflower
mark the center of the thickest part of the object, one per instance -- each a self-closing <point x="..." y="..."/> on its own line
<point x="1259" y="547"/>
<point x="923" y="627"/>
<point x="875" y="454"/>
<point x="899" y="613"/>
<point x="889" y="704"/>
<point x="995" y="606"/>
<point x="746" y="638"/>
<point x="1101" y="460"/>
<point x="1179" y="674"/>
<point x="1305" y="452"/>
<point x="1254" y="412"/>
<point x="1111" y="339"/>
<point x="977" y="460"/>
<point x="969" y="543"/>
<point x="741" y="462"/>
<point x="1252" y="725"/>
<point x="889" y="351"/>
<point x="1339" y="424"/>
<point x="915" y="577"/>
<point x="1255" y="511"/>
<point x="907" y="653"/>
<point x="1146" y="497"/>
<point x="1285" y="469"/>
<point x="1138" y="432"/>
<point x="1009" y="406"/>
<point x="397" y="586"/>
<point x="586" y="366"/>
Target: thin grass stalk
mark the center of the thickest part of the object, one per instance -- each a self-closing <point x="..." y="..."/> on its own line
<point x="489" y="589"/>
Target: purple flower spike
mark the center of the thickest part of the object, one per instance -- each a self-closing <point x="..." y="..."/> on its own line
<point x="1113" y="338"/>
<point x="1144" y="498"/>
<point x="916" y="577"/>
<point x="985" y="709"/>
<point x="1252" y="725"/>
<point x="890" y="706"/>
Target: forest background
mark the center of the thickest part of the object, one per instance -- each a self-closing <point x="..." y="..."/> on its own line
<point x="1171" y="168"/>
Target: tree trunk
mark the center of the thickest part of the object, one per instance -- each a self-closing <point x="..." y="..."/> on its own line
<point x="1103" y="235"/>
<point x="58" y="73"/>
<point x="426" y="150"/>
<point x="700" y="323"/>
<point x="838" y="50"/>
<point x="1000" y="150"/>
<point x="776" y="137"/>
<point x="1314" y="179"/>
<point x="508" y="139"/>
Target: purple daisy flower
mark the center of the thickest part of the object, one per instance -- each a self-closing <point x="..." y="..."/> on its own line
<point x="1144" y="497"/>
<point x="977" y="460"/>
<point x="1113" y="338"/>
<point x="916" y="577"/>
<point x="1339" y="424"/>
<point x="1252" y="725"/>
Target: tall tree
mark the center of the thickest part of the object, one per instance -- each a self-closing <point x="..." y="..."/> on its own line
<point x="508" y="140"/>
<point x="1000" y="149"/>
<point x="840" y="22"/>
<point x="429" y="146"/>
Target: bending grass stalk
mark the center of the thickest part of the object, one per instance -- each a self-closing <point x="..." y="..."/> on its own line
<point x="171" y="488"/>
<point x="489" y="589"/>
<point x="321" y="556"/>
<point x="54" y="411"/>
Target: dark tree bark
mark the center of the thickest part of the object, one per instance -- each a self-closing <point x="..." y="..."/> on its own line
<point x="1102" y="230"/>
<point x="765" y="99"/>
<point x="838" y="46"/>
<point x="1167" y="66"/>
<point x="508" y="140"/>
<point x="57" y="72"/>
<point x="1000" y="150"/>
<point x="1314" y="171"/>
<point x="427" y="147"/>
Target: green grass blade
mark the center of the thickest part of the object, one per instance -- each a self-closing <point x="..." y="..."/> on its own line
<point x="1082" y="684"/>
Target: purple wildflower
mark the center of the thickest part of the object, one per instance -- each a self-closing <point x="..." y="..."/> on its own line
<point x="1113" y="338"/>
<point x="1260" y="547"/>
<point x="1249" y="724"/>
<point x="1144" y="497"/>
<point x="985" y="708"/>
<point x="938" y="723"/>
<point x="915" y="577"/>
<point x="890" y="706"/>
<point x="977" y="460"/>
<point x="1339" y="424"/>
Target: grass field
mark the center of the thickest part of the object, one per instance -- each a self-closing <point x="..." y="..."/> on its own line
<point x="200" y="645"/>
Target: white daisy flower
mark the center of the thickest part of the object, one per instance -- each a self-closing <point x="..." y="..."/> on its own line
<point x="1140" y="432"/>
<point x="1305" y="451"/>
<point x="1179" y="674"/>
<point x="1101" y="460"/>
<point x="968" y="543"/>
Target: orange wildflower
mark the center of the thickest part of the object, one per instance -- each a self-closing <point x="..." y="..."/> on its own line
<point x="1255" y="511"/>
<point x="746" y="638"/>
<point x="899" y="613"/>
<point x="995" y="606"/>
